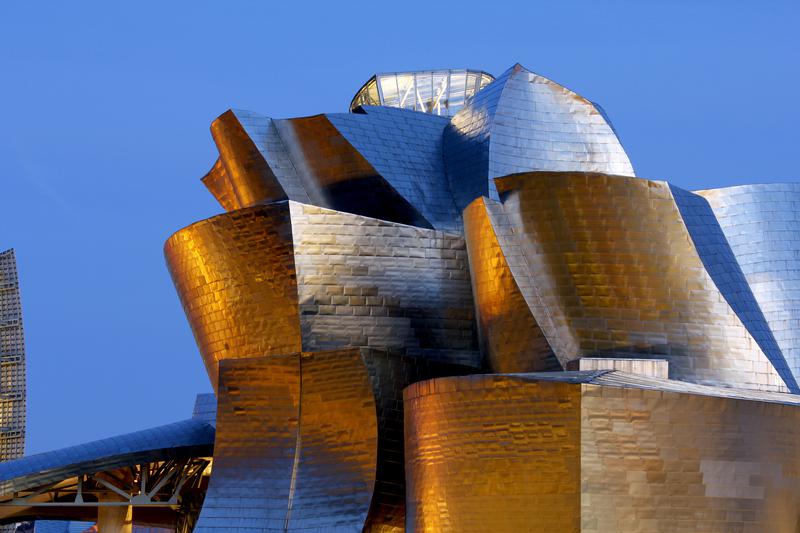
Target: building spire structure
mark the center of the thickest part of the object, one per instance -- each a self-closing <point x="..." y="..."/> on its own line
<point x="12" y="361"/>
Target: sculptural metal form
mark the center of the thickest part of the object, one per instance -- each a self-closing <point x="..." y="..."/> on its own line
<point x="392" y="308"/>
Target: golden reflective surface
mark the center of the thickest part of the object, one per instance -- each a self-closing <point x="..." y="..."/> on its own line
<point x="235" y="277"/>
<point x="509" y="335"/>
<point x="486" y="453"/>
<point x="287" y="277"/>
<point x="296" y="445"/>
<point x="247" y="173"/>
<point x="515" y="453"/>
<point x="608" y="267"/>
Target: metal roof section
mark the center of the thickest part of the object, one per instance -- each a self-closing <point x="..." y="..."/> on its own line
<point x="525" y="122"/>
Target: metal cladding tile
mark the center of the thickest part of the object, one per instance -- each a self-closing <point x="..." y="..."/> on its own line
<point x="12" y="352"/>
<point x="608" y="268"/>
<point x="265" y="137"/>
<point x="378" y="284"/>
<point x="510" y="338"/>
<point x="235" y="276"/>
<point x="336" y="175"/>
<point x="256" y="446"/>
<point x="390" y="374"/>
<point x="525" y="122"/>
<point x="595" y="452"/>
<point x="219" y="184"/>
<point x="247" y="173"/>
<point x="721" y="264"/>
<point x="288" y="276"/>
<point x="405" y="147"/>
<point x="188" y="438"/>
<point x="762" y="225"/>
<point x="312" y="442"/>
<point x="486" y="453"/>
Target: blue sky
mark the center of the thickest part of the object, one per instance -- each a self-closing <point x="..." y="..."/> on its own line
<point x="106" y="108"/>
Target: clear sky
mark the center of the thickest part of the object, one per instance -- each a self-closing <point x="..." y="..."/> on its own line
<point x="106" y="108"/>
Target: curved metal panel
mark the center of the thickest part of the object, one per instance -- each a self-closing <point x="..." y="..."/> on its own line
<point x="337" y="176"/>
<point x="219" y="184"/>
<point x="406" y="149"/>
<point x="296" y="445"/>
<point x="608" y="268"/>
<point x="235" y="276"/>
<point x="368" y="282"/>
<point x="597" y="452"/>
<point x="511" y="340"/>
<point x="762" y="225"/>
<point x="258" y="402"/>
<point x="491" y="453"/>
<point x="721" y="265"/>
<point x="525" y="122"/>
<point x="248" y="174"/>
<point x="188" y="438"/>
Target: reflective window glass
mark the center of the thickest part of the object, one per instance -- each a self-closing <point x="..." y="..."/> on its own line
<point x="389" y="90"/>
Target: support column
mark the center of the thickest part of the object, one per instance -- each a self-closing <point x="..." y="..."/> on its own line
<point x="115" y="519"/>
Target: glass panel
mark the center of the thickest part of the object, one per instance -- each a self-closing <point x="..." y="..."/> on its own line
<point x="442" y="92"/>
<point x="472" y="80"/>
<point x="439" y="92"/>
<point x="372" y="93"/>
<point x="405" y="84"/>
<point x="455" y="100"/>
<point x="389" y="90"/>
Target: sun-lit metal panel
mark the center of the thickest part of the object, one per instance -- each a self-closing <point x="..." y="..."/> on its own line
<point x="598" y="452"/>
<point x="608" y="267"/>
<point x="762" y="225"/>
<point x="296" y="445"/>
<point x="721" y="264"/>
<point x="235" y="276"/>
<point x="525" y="122"/>
<point x="287" y="277"/>
<point x="491" y="453"/>
<point x="367" y="282"/>
<point x="312" y="442"/>
<point x="511" y="340"/>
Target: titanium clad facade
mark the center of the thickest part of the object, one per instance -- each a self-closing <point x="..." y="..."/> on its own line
<point x="608" y="268"/>
<point x="12" y="361"/>
<point x="524" y="122"/>
<point x="762" y="225"/>
<point x="598" y="452"/>
<point x="312" y="442"/>
<point x="289" y="277"/>
<point x="510" y="337"/>
<point x="457" y="309"/>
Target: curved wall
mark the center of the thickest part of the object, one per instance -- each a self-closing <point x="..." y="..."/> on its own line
<point x="492" y="453"/>
<point x="762" y="225"/>
<point x="595" y="452"/>
<point x="235" y="276"/>
<point x="523" y="122"/>
<point x="609" y="268"/>
<point x="510" y="338"/>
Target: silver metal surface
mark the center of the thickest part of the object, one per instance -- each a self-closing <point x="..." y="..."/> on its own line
<point x="524" y="122"/>
<point x="762" y="226"/>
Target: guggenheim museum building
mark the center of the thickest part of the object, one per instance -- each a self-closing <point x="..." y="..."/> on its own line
<point x="457" y="308"/>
